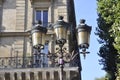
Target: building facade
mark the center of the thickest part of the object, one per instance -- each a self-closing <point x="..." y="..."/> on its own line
<point x="17" y="17"/>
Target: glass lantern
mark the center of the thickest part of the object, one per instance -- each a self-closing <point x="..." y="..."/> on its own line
<point x="38" y="33"/>
<point x="83" y="34"/>
<point x="61" y="29"/>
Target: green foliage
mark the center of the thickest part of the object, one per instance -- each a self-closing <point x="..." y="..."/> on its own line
<point x="108" y="31"/>
<point x="102" y="78"/>
<point x="106" y="77"/>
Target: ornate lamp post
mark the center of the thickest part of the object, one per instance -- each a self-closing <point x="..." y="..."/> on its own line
<point x="83" y="31"/>
<point x="61" y="28"/>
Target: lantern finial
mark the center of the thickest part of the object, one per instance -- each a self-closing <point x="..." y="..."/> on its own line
<point x="60" y="18"/>
<point x="39" y="22"/>
<point x="82" y="21"/>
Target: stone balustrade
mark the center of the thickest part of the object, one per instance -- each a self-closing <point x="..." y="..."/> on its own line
<point x="70" y="73"/>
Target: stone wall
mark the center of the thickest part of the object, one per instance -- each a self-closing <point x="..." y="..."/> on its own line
<point x="17" y="17"/>
<point x="11" y="46"/>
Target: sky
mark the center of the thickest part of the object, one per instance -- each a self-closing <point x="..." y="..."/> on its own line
<point x="86" y="9"/>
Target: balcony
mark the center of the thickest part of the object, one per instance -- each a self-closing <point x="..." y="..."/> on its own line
<point x="14" y="62"/>
<point x="70" y="73"/>
<point x="37" y="61"/>
<point x="39" y="68"/>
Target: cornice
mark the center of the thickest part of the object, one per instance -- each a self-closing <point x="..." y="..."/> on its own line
<point x="14" y="34"/>
<point x="32" y="1"/>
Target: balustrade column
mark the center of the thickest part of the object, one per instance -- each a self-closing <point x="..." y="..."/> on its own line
<point x="19" y="76"/>
<point x="2" y="76"/>
<point x="44" y="75"/>
<point x="36" y="76"/>
<point x="12" y="77"/>
<point x="27" y="75"/>
<point x="67" y="75"/>
<point x="51" y="75"/>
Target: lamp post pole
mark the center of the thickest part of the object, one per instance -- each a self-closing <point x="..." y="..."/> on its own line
<point x="61" y="29"/>
<point x="61" y="62"/>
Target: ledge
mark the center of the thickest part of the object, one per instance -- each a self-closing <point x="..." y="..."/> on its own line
<point x="40" y="69"/>
<point x="32" y="1"/>
<point x="13" y="34"/>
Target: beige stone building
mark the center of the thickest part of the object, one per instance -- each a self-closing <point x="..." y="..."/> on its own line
<point x="17" y="17"/>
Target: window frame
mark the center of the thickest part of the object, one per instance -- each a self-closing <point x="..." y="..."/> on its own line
<point x="42" y="10"/>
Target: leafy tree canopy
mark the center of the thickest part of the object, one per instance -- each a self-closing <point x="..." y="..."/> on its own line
<point x="102" y="78"/>
<point x="110" y="12"/>
<point x="108" y="31"/>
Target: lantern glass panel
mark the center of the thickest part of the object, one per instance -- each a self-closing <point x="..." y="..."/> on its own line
<point x="83" y="37"/>
<point x="43" y="38"/>
<point x="61" y="32"/>
<point x="37" y="38"/>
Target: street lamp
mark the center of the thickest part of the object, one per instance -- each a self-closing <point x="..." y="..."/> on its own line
<point x="83" y="31"/>
<point x="61" y="29"/>
<point x="37" y="33"/>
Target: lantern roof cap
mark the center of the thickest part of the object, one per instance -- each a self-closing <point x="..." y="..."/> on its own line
<point x="82" y="21"/>
<point x="83" y="26"/>
<point x="38" y="27"/>
<point x="61" y="23"/>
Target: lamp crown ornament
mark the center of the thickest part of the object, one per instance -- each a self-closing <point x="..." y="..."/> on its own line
<point x="82" y="21"/>
<point x="61" y="23"/>
<point x="38" y="27"/>
<point x="39" y="22"/>
<point x="60" y="18"/>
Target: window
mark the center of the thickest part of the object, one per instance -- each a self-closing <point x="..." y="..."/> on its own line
<point x="42" y="15"/>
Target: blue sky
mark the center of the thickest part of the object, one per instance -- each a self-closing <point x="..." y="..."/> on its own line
<point x="86" y="9"/>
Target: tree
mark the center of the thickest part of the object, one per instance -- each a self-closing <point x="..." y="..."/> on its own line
<point x="102" y="78"/>
<point x="115" y="32"/>
<point x="108" y="31"/>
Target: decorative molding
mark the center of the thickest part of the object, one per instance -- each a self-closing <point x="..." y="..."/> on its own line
<point x="32" y="1"/>
<point x="41" y="4"/>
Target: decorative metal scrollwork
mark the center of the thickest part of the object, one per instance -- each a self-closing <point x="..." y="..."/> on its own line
<point x="67" y="57"/>
<point x="13" y="62"/>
